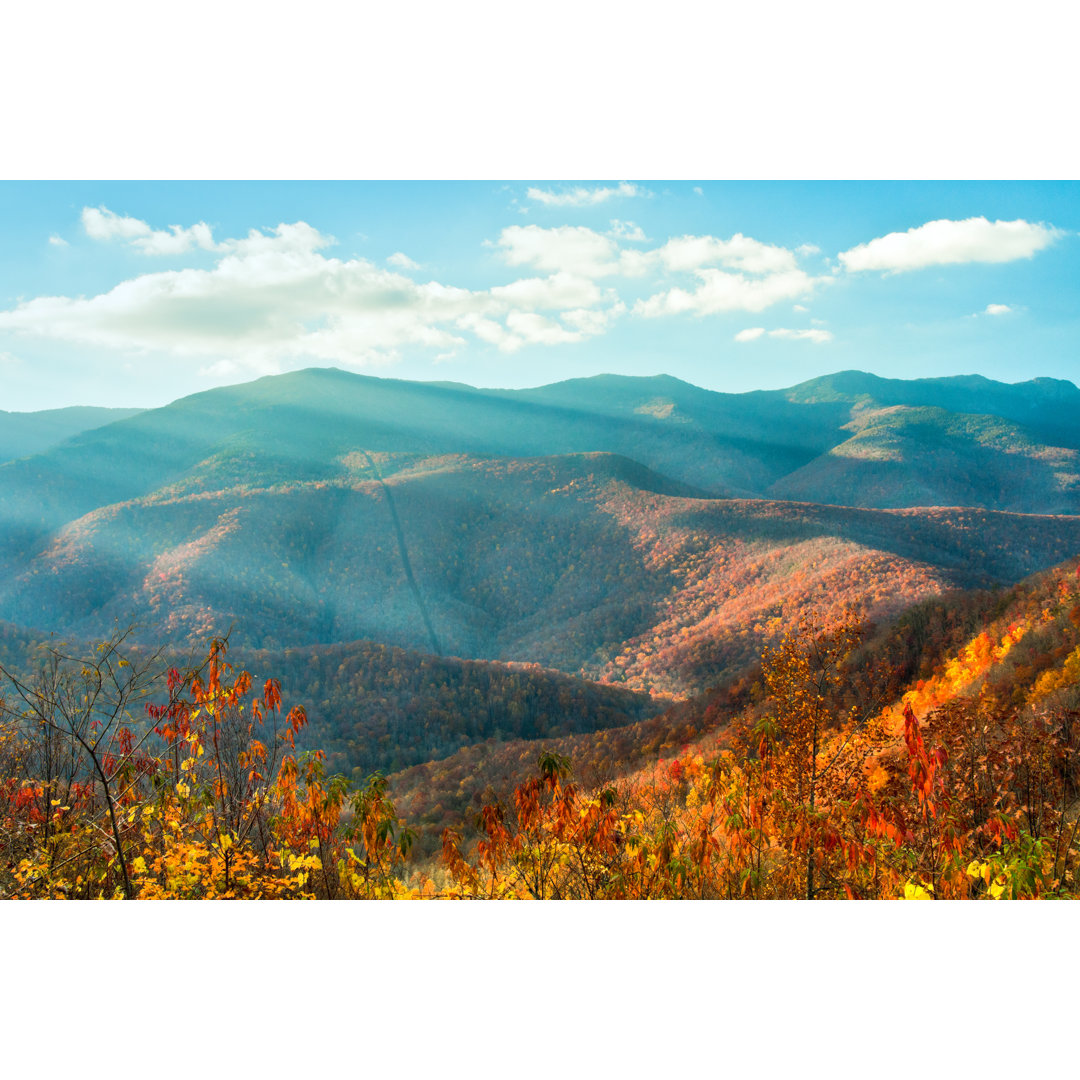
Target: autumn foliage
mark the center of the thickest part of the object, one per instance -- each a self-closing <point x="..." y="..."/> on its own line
<point x="201" y="796"/>
<point x="119" y="778"/>
<point x="964" y="788"/>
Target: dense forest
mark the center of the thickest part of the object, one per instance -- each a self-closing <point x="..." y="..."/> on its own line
<point x="610" y="638"/>
<point x="934" y="758"/>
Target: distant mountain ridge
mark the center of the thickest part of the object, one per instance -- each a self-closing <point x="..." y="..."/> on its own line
<point x="299" y="424"/>
<point x="636" y="530"/>
<point x="25" y="433"/>
<point x="1047" y="403"/>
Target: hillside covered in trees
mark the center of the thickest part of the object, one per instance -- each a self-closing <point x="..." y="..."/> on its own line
<point x="634" y="531"/>
<point x="611" y="637"/>
<point x="935" y="758"/>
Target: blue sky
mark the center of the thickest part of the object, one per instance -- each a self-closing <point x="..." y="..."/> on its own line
<point x="137" y="293"/>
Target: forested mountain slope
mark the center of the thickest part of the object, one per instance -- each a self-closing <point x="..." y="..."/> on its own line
<point x="374" y="707"/>
<point x="589" y="564"/>
<point x="26" y="433"/>
<point x="992" y="678"/>
<point x="300" y="426"/>
<point x="639" y="531"/>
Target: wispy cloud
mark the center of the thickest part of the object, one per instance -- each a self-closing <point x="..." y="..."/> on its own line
<point x="57" y="241"/>
<point x="100" y="223"/>
<point x="720" y="291"/>
<point x="818" y="337"/>
<point x="559" y="291"/>
<point x="737" y="274"/>
<point x="753" y="333"/>
<point x="627" y="230"/>
<point x="571" y="249"/>
<point x="402" y="261"/>
<point x="738" y="253"/>
<point x="586" y="196"/>
<point x="939" y="243"/>
<point x="273" y="298"/>
<point x="279" y="296"/>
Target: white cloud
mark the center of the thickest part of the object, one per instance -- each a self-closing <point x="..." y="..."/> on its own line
<point x="402" y="261"/>
<point x="722" y="291"/>
<point x="572" y="249"/>
<point x="800" y="307"/>
<point x="807" y="249"/>
<point x="627" y="230"/>
<point x="561" y="290"/>
<point x="634" y="263"/>
<point x="767" y="274"/>
<point x="738" y="274"/>
<point x="274" y="298"/>
<point x="739" y="253"/>
<point x="590" y="321"/>
<point x="536" y="329"/>
<point x="299" y="239"/>
<point x="529" y="328"/>
<point x="997" y="309"/>
<point x="487" y="330"/>
<point x="818" y="337"/>
<point x="57" y="241"/>
<point x="582" y="196"/>
<point x="101" y="223"/>
<point x="698" y="191"/>
<point x="939" y="243"/>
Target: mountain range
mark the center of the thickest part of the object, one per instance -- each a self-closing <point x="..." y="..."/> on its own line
<point x="641" y="533"/>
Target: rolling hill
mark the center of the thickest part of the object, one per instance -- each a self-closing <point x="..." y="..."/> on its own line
<point x="643" y="532"/>
<point x="588" y="564"/>
<point x="301" y="425"/>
